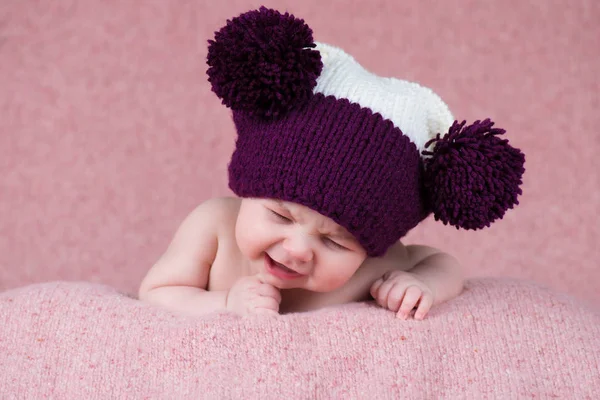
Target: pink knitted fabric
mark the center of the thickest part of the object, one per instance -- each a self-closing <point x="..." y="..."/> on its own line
<point x="500" y="339"/>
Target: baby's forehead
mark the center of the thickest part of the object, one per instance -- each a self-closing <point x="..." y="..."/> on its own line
<point x="308" y="213"/>
<point x="302" y="210"/>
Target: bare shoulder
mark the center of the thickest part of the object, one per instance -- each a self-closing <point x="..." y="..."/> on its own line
<point x="190" y="255"/>
<point x="220" y="206"/>
<point x="398" y="256"/>
<point x="417" y="253"/>
<point x="218" y="211"/>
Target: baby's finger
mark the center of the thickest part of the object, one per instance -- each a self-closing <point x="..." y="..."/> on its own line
<point x="266" y="302"/>
<point x="424" y="306"/>
<point x="375" y="287"/>
<point x="412" y="295"/>
<point x="262" y="277"/>
<point x="269" y="291"/>
<point x="383" y="291"/>
<point x="395" y="296"/>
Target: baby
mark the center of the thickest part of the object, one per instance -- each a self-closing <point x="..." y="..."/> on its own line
<point x="333" y="166"/>
<point x="267" y="256"/>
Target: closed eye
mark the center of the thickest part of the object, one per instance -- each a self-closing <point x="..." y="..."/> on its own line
<point x="330" y="242"/>
<point x="280" y="217"/>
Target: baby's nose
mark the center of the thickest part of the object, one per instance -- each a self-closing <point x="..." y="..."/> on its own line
<point x="298" y="248"/>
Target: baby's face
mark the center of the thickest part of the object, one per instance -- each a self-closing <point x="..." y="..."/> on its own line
<point x="295" y="246"/>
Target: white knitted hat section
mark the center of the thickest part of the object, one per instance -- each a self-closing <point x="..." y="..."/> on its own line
<point x="416" y="110"/>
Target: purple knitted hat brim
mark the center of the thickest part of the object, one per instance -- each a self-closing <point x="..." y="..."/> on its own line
<point x="334" y="157"/>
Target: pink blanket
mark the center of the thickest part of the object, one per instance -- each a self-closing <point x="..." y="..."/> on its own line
<point x="500" y="339"/>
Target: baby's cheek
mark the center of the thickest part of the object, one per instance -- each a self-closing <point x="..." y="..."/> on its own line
<point x="253" y="243"/>
<point x="331" y="281"/>
<point x="253" y="247"/>
<point x="248" y="243"/>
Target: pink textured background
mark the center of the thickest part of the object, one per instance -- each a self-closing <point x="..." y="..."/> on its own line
<point x="109" y="134"/>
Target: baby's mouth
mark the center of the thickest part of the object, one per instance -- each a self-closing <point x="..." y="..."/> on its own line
<point x="283" y="267"/>
<point x="278" y="269"/>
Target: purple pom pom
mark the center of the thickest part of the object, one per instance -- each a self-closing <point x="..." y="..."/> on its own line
<point x="262" y="62"/>
<point x="472" y="176"/>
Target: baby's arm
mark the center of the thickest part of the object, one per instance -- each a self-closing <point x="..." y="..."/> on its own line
<point x="179" y="279"/>
<point x="418" y="278"/>
<point x="438" y="270"/>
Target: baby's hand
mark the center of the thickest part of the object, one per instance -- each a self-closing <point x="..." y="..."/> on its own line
<point x="401" y="292"/>
<point x="250" y="295"/>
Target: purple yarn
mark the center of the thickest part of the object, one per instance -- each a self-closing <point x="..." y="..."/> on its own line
<point x="472" y="176"/>
<point x="262" y="63"/>
<point x="337" y="158"/>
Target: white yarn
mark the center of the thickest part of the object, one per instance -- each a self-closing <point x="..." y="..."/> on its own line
<point x="416" y="110"/>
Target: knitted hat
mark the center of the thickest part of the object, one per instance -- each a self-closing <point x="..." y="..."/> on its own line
<point x="375" y="154"/>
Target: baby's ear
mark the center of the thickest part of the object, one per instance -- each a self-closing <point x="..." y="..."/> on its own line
<point x="472" y="176"/>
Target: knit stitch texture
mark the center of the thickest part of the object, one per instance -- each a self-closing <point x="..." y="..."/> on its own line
<point x="337" y="158"/>
<point x="360" y="130"/>
<point x="501" y="339"/>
